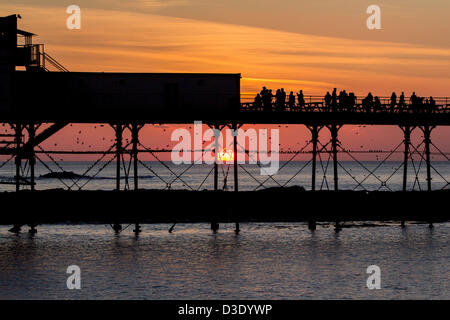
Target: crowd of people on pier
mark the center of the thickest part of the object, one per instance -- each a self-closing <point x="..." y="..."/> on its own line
<point x="334" y="102"/>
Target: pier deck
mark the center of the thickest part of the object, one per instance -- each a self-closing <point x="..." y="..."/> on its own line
<point x="169" y="206"/>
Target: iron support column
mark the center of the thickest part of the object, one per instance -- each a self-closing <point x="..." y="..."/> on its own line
<point x="235" y="165"/>
<point x="18" y="132"/>
<point x="135" y="141"/>
<point x="407" y="140"/>
<point x="314" y="137"/>
<point x="334" y="141"/>
<point x="33" y="229"/>
<point x="216" y="128"/>
<point x="427" y="140"/>
<point x="119" y="132"/>
<point x="216" y="149"/>
<point x="31" y="155"/>
<point x="235" y="158"/>
<point x="334" y="133"/>
<point x="427" y="135"/>
<point x="137" y="229"/>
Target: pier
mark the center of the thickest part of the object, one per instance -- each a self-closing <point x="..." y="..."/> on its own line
<point x="37" y="103"/>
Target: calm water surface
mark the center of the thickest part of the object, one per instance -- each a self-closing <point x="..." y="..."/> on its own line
<point x="265" y="261"/>
<point x="295" y="173"/>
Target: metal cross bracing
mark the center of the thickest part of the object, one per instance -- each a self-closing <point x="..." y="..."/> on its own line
<point x="19" y="146"/>
<point x="125" y="157"/>
<point x="318" y="155"/>
<point x="327" y="156"/>
<point x="410" y="154"/>
<point x="317" y="151"/>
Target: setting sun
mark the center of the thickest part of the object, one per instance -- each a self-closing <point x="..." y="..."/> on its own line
<point x="226" y="155"/>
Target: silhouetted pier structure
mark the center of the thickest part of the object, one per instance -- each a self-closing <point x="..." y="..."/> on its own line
<point x="37" y="97"/>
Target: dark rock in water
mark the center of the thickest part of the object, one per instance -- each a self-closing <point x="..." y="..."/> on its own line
<point x="61" y="175"/>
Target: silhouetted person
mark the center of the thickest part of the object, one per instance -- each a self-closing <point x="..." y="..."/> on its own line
<point x="263" y="91"/>
<point x="433" y="107"/>
<point x="327" y="100"/>
<point x="277" y="99"/>
<point x="351" y="101"/>
<point x="291" y="101"/>
<point x="377" y="105"/>
<point x="283" y="99"/>
<point x="341" y="100"/>
<point x="280" y="97"/>
<point x="257" y="104"/>
<point x="301" y="100"/>
<point x="368" y="102"/>
<point x="413" y="102"/>
<point x="401" y="102"/>
<point x="334" y="100"/>
<point x="393" y="101"/>
<point x="365" y="104"/>
<point x="263" y="94"/>
<point x="266" y="96"/>
<point x="420" y="104"/>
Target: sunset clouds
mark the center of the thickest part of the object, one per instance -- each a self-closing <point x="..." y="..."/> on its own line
<point x="126" y="41"/>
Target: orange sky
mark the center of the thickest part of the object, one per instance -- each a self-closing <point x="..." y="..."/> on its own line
<point x="134" y="42"/>
<point x="189" y="36"/>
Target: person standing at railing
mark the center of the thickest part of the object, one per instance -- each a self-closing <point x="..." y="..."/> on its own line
<point x="365" y="104"/>
<point x="426" y="106"/>
<point x="263" y="95"/>
<point x="301" y="100"/>
<point x="393" y="101"/>
<point x="343" y="99"/>
<point x="257" y="104"/>
<point x="334" y="100"/>
<point x="266" y="97"/>
<point x="368" y="102"/>
<point x="433" y="107"/>
<point x="280" y="99"/>
<point x="270" y="96"/>
<point x="327" y="100"/>
<point x="263" y="91"/>
<point x="291" y="101"/>
<point x="351" y="102"/>
<point x="377" y="105"/>
<point x="413" y="102"/>
<point x="401" y="102"/>
<point x="420" y="107"/>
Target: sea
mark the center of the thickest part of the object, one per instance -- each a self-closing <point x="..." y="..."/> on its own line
<point x="366" y="175"/>
<point x="281" y="260"/>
